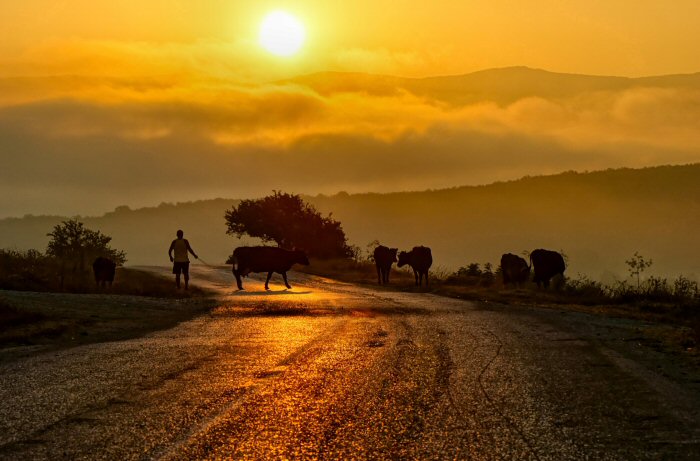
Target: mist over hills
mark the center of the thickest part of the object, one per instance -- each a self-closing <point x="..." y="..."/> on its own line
<point x="82" y="144"/>
<point x="503" y="85"/>
<point x="598" y="219"/>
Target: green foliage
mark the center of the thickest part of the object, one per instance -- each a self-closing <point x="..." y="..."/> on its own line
<point x="682" y="291"/>
<point x="74" y="248"/>
<point x="472" y="274"/>
<point x="26" y="270"/>
<point x="73" y="243"/>
<point x="684" y="288"/>
<point x="291" y="223"/>
<point x="586" y="289"/>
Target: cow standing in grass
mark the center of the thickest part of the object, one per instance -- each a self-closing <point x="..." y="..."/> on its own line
<point x="546" y="264"/>
<point x="420" y="259"/>
<point x="383" y="258"/>
<point x="104" y="269"/>
<point x="514" y="269"/>
<point x="265" y="259"/>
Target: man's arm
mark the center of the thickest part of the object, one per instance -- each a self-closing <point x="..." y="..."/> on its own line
<point x="189" y="248"/>
<point x="170" y="250"/>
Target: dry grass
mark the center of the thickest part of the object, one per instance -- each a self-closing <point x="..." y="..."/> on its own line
<point x="685" y="316"/>
<point x="137" y="303"/>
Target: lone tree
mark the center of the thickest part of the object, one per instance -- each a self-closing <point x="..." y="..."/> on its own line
<point x="636" y="265"/>
<point x="289" y="222"/>
<point x="75" y="246"/>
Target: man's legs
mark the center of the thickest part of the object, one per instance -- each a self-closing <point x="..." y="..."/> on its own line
<point x="176" y="270"/>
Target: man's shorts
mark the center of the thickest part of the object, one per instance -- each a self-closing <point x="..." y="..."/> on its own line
<point x="181" y="267"/>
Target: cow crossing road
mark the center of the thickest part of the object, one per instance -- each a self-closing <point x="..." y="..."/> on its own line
<point x="335" y="371"/>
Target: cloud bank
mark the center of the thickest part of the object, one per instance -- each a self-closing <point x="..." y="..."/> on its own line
<point x="162" y="129"/>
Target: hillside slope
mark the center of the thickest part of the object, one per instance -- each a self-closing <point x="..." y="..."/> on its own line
<point x="598" y="219"/>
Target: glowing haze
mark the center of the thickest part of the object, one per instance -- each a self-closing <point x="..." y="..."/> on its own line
<point x="138" y="102"/>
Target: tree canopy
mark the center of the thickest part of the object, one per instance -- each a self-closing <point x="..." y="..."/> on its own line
<point x="72" y="243"/>
<point x="290" y="222"/>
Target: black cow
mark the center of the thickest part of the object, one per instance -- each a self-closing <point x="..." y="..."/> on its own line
<point x="104" y="269"/>
<point x="265" y="259"/>
<point x="546" y="265"/>
<point x="383" y="258"/>
<point x="420" y="259"/>
<point x="514" y="269"/>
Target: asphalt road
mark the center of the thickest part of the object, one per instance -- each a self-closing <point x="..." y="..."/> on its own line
<point x="335" y="371"/>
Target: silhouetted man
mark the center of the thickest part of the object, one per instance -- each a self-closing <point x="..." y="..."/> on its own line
<point x="181" y="261"/>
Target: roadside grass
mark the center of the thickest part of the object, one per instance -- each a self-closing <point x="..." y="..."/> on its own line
<point x="137" y="282"/>
<point x="659" y="303"/>
<point x="138" y="303"/>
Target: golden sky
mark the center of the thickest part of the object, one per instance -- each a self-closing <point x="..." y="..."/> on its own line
<point x="420" y="38"/>
<point x="138" y="102"/>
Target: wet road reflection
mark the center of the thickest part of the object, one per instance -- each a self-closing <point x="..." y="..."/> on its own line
<point x="328" y="370"/>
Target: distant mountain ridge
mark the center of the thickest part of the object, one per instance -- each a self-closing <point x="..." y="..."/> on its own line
<point x="598" y="219"/>
<point x="503" y="85"/>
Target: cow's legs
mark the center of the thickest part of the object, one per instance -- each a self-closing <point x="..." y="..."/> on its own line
<point x="426" y="279"/>
<point x="379" y="275"/>
<point x="238" y="279"/>
<point x="415" y="274"/>
<point x="269" y="274"/>
<point x="386" y="276"/>
<point x="286" y="283"/>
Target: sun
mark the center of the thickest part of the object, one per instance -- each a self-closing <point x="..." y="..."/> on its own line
<point x="282" y="34"/>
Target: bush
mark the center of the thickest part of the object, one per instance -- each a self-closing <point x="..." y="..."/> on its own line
<point x="584" y="287"/>
<point x="472" y="275"/>
<point x="685" y="289"/>
<point x="27" y="270"/>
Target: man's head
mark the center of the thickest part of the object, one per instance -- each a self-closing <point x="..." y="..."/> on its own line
<point x="180" y="234"/>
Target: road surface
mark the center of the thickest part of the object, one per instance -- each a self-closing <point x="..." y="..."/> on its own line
<point x="335" y="371"/>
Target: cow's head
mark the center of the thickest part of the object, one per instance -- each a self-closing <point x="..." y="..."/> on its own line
<point x="524" y="271"/>
<point x="392" y="253"/>
<point x="404" y="258"/>
<point x="300" y="258"/>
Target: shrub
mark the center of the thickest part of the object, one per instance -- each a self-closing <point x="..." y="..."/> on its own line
<point x="74" y="247"/>
<point x="685" y="289"/>
<point x="26" y="270"/>
<point x="584" y="287"/>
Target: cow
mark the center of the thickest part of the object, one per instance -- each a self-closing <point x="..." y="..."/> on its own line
<point x="420" y="259"/>
<point x="104" y="269"/>
<point x="265" y="259"/>
<point x="383" y="258"/>
<point x="514" y="269"/>
<point x="546" y="264"/>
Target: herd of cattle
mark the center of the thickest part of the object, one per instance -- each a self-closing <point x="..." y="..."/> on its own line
<point x="515" y="270"/>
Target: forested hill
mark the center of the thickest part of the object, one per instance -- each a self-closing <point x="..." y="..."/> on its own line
<point x="598" y="219"/>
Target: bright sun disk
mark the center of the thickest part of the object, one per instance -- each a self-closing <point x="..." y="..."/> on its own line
<point x="281" y="34"/>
